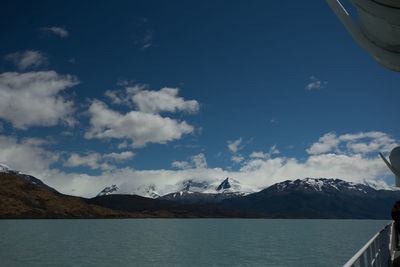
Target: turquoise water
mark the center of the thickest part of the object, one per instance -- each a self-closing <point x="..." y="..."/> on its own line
<point x="182" y="242"/>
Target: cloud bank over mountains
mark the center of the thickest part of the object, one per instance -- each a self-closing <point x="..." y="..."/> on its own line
<point x="258" y="169"/>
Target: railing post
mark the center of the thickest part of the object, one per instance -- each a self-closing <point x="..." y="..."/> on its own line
<point x="376" y="252"/>
<point x="369" y="258"/>
<point x="362" y="261"/>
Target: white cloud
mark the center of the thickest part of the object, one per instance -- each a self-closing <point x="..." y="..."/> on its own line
<point x="141" y="128"/>
<point x="365" y="142"/>
<point x="151" y="101"/>
<point x="97" y="161"/>
<point x="92" y="160"/>
<point x="34" y="99"/>
<point x="27" y="59"/>
<point x="233" y="146"/>
<point x="123" y="145"/>
<point x="198" y="161"/>
<point x="259" y="154"/>
<point x="117" y="97"/>
<point x="315" y="83"/>
<point x="165" y="99"/>
<point x="180" y="164"/>
<point x="325" y="143"/>
<point x="26" y="155"/>
<point x="119" y="156"/>
<point x="237" y="158"/>
<point x="60" y="31"/>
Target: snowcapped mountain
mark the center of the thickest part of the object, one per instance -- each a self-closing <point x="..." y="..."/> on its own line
<point x="228" y="187"/>
<point x="319" y="185"/>
<point x="207" y="193"/>
<point x="147" y="191"/>
<point x="143" y="190"/>
<point x="318" y="198"/>
<point x="108" y="190"/>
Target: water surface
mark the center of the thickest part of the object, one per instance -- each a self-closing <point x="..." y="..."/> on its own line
<point x="183" y="242"/>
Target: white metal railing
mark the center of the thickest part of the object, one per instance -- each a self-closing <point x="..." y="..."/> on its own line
<point x="376" y="252"/>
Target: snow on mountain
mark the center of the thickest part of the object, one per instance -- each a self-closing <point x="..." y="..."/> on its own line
<point x="4" y="167"/>
<point x="147" y="191"/>
<point x="108" y="190"/>
<point x="320" y="185"/>
<point x="231" y="187"/>
<point x="228" y="185"/>
<point x="189" y="186"/>
<point x="143" y="190"/>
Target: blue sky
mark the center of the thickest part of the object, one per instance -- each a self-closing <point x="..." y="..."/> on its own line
<point x="83" y="98"/>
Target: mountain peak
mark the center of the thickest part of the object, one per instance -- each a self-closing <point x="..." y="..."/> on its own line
<point x="224" y="185"/>
<point x="108" y="190"/>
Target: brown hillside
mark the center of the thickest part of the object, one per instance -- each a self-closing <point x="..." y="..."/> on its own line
<point x="21" y="199"/>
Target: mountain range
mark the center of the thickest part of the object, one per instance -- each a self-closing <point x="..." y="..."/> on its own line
<point x="301" y="198"/>
<point x="23" y="197"/>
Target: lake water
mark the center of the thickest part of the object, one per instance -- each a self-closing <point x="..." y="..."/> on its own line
<point x="183" y="242"/>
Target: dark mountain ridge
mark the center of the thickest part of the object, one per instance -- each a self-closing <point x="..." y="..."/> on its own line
<point x="24" y="196"/>
<point x="319" y="198"/>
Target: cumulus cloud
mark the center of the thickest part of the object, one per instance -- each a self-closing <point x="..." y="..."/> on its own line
<point x="315" y="83"/>
<point x="96" y="160"/>
<point x="123" y="145"/>
<point x="237" y="158"/>
<point x="180" y="164"/>
<point x="60" y="31"/>
<point x="119" y="156"/>
<point x="233" y="146"/>
<point x="27" y="59"/>
<point x="140" y="127"/>
<point x="165" y="99"/>
<point x="365" y="142"/>
<point x="198" y="161"/>
<point x="325" y="143"/>
<point x="152" y="101"/>
<point x="34" y="99"/>
<point x="92" y="160"/>
<point x="259" y="154"/>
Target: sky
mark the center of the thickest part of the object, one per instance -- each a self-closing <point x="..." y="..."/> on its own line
<point x="154" y="92"/>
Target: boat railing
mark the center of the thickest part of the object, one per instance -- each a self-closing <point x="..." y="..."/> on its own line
<point x="377" y="251"/>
